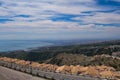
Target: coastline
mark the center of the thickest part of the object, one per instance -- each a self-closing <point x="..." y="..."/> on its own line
<point x="25" y="45"/>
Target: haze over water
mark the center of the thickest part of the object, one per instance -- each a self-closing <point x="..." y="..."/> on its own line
<point x="10" y="45"/>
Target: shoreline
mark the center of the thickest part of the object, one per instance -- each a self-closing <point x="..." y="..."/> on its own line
<point x="55" y="44"/>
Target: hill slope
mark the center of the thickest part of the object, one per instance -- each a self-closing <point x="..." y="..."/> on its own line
<point x="77" y="59"/>
<point x="83" y="54"/>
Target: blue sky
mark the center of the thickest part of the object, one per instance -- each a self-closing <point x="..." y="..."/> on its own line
<point x="59" y="19"/>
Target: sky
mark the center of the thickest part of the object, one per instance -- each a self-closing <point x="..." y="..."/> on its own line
<point x="59" y="19"/>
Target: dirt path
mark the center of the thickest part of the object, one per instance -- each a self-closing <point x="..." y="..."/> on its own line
<point x="9" y="74"/>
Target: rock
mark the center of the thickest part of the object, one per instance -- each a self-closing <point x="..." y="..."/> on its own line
<point x="106" y="74"/>
<point x="91" y="71"/>
<point x="64" y="69"/>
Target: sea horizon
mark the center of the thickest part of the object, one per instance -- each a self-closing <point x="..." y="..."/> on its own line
<point x="13" y="45"/>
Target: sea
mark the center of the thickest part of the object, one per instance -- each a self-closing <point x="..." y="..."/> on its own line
<point x="11" y="45"/>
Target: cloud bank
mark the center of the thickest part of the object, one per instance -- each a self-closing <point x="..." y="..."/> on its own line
<point x="48" y="19"/>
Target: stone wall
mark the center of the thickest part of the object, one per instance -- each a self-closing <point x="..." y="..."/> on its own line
<point x="60" y="72"/>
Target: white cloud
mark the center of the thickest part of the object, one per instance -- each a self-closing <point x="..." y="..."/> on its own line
<point x="40" y="12"/>
<point x="35" y="7"/>
<point x="101" y="18"/>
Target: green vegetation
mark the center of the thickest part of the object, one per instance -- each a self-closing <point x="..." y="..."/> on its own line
<point x="83" y="54"/>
